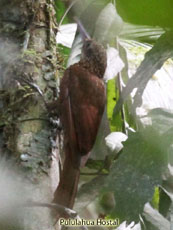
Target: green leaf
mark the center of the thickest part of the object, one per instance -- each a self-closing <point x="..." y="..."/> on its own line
<point x="162" y="119"/>
<point x="155" y="199"/>
<point x="108" y="25"/>
<point x="60" y="10"/>
<point x="112" y="97"/>
<point x="146" y="12"/>
<point x="137" y="172"/>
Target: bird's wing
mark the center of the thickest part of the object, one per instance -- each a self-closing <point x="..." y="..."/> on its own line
<point x="87" y="96"/>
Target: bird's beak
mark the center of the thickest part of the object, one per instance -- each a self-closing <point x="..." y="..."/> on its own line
<point x="83" y="32"/>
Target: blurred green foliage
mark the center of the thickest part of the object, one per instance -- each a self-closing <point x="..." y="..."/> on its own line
<point x="156" y="198"/>
<point x="112" y="97"/>
<point x="93" y="164"/>
<point x="64" y="53"/>
<point x="136" y="173"/>
<point x="146" y="12"/>
<point x="60" y="10"/>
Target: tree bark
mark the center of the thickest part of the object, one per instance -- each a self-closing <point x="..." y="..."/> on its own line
<point x="28" y="55"/>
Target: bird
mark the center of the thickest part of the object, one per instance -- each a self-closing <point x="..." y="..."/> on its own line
<point x="81" y="101"/>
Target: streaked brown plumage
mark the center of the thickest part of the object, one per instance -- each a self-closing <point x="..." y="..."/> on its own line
<point x="82" y="101"/>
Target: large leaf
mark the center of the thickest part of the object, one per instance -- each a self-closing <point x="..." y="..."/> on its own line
<point x="136" y="173"/>
<point x="155" y="218"/>
<point x="146" y="12"/>
<point x="75" y="51"/>
<point x="131" y="226"/>
<point x="154" y="59"/>
<point x="162" y="119"/>
<point x="108" y="25"/>
<point x="146" y="34"/>
<point x="114" y="64"/>
<point x="90" y="14"/>
<point x="66" y="34"/>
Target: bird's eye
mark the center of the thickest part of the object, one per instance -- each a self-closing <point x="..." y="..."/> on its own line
<point x="87" y="44"/>
<point x="87" y="48"/>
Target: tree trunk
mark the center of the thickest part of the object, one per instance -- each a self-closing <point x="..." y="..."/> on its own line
<point x="28" y="55"/>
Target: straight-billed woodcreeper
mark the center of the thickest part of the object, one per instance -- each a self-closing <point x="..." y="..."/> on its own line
<point x="82" y="101"/>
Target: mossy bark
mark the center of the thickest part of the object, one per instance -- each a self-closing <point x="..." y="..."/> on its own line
<point x="28" y="54"/>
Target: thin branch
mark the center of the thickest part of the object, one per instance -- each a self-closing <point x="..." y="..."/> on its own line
<point x="26" y="40"/>
<point x="59" y="208"/>
<point x="33" y="119"/>
<point x="32" y="85"/>
<point x="66" y="12"/>
<point x="94" y="174"/>
<point x="24" y="120"/>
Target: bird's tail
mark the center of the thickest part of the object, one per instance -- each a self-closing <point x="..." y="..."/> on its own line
<point x="67" y="189"/>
